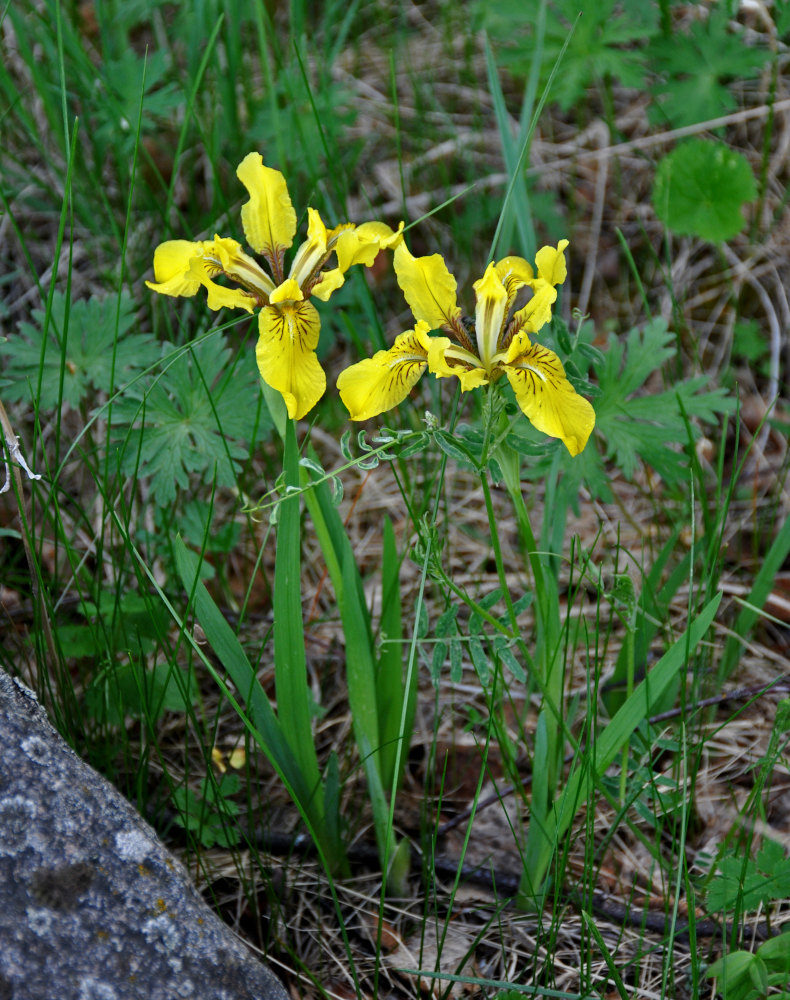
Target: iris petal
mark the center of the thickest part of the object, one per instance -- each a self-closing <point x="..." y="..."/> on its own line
<point x="330" y="282"/>
<point x="377" y="384"/>
<point x="445" y="359"/>
<point x="427" y="286"/>
<point x="492" y="300"/>
<point x="361" y="244"/>
<point x="515" y="269"/>
<point x="268" y="218"/>
<point x="286" y="354"/>
<point x="240" y="267"/>
<point x="219" y="296"/>
<point x="551" y="263"/>
<point x="537" y="312"/>
<point x="312" y="253"/>
<point x="546" y="396"/>
<point x="171" y="268"/>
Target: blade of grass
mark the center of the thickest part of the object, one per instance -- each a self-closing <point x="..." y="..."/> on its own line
<point x="392" y="690"/>
<point x="603" y="751"/>
<point x="761" y="588"/>
<point x="614" y="972"/>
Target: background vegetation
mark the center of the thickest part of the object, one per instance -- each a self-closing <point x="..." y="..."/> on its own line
<point x="661" y="151"/>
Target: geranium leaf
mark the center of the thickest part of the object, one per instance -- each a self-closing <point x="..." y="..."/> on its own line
<point x="701" y="188"/>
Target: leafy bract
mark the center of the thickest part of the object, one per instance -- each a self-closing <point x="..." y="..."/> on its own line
<point x="701" y="188"/>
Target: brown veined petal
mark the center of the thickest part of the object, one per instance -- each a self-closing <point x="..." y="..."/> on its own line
<point x="220" y="296"/>
<point x="240" y="267"/>
<point x="447" y="359"/>
<point x="516" y="270"/>
<point x="428" y="287"/>
<point x="268" y="218"/>
<point x="288" y="291"/>
<point x="377" y="384"/>
<point x="546" y="396"/>
<point x="514" y="273"/>
<point x="286" y="354"/>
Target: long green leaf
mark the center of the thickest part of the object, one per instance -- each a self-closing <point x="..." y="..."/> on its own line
<point x="360" y="662"/>
<point x="290" y="663"/>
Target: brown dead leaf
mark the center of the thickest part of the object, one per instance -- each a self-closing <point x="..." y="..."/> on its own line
<point x="423" y="952"/>
<point x="389" y="939"/>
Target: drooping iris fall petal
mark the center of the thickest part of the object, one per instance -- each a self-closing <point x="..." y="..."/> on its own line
<point x="545" y="395"/>
<point x="285" y="352"/>
<point x="171" y="268"/>
<point x="377" y="384"/>
<point x="219" y="296"/>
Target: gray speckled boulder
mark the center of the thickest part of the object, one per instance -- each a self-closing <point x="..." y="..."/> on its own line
<point x="92" y="906"/>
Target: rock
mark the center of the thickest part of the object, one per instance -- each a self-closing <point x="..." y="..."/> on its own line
<point x="92" y="905"/>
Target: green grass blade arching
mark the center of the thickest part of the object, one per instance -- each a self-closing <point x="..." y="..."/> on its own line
<point x="602" y="753"/>
<point x="761" y="588"/>
<point x="265" y="727"/>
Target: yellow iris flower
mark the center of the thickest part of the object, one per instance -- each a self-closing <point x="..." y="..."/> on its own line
<point x="478" y="352"/>
<point x="288" y="323"/>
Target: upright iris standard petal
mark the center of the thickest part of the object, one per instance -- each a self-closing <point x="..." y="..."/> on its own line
<point x="546" y="396"/>
<point x="428" y="287"/>
<point x="286" y="354"/>
<point x="492" y="300"/>
<point x="551" y="263"/>
<point x="537" y="312"/>
<point x="268" y="218"/>
<point x="377" y="384"/>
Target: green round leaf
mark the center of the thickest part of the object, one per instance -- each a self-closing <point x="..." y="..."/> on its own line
<point x="700" y="189"/>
